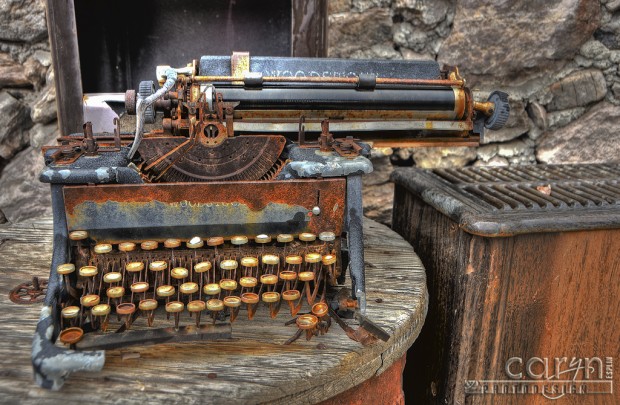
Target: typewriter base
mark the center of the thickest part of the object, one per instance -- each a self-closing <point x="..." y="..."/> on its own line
<point x="246" y="370"/>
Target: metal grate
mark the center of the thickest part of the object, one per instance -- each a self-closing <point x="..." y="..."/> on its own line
<point x="536" y="187"/>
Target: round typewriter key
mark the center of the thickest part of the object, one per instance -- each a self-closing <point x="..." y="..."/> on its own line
<point x="212" y="289"/>
<point x="134" y="267"/>
<point x="269" y="279"/>
<point x="172" y="243"/>
<point x="320" y="309"/>
<point x="90" y="300"/>
<point x="165" y="291"/>
<point x="249" y="298"/>
<point x="228" y="284"/>
<point x="248" y="282"/>
<point x="284" y="238"/>
<point x="239" y="240"/>
<point x="78" y="235"/>
<point x="313" y="257"/>
<point x="88" y="271"/>
<point x="215" y="305"/>
<point x="179" y="273"/>
<point x="327" y="236"/>
<point x="188" y="288"/>
<point x="149" y="245"/>
<point x="196" y="306"/>
<point x="215" y="241"/>
<point x="148" y="305"/>
<point x="115" y="292"/>
<point x="288" y="275"/>
<point x="271" y="297"/>
<point x="65" y="268"/>
<point x="306" y="276"/>
<point x="228" y="264"/>
<point x="70" y="312"/>
<point x="307" y="237"/>
<point x="195" y="243"/>
<point x="158" y="265"/>
<point x="249" y="261"/>
<point x="262" y="238"/>
<point x="329" y="259"/>
<point x="202" y="267"/>
<point x="306" y="322"/>
<point x="270" y="259"/>
<point x="232" y="301"/>
<point x="293" y="259"/>
<point x="100" y="310"/>
<point x="140" y="287"/>
<point x="175" y="307"/>
<point x="291" y="295"/>
<point x="126" y="308"/>
<point x="71" y="336"/>
<point x="112" y="277"/>
<point x="126" y="246"/>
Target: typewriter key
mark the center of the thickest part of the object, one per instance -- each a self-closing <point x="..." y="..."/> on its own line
<point x="188" y="288"/>
<point x="215" y="241"/>
<point x="249" y="261"/>
<point x="202" y="267"/>
<point x="101" y="311"/>
<point x="228" y="284"/>
<point x="134" y="267"/>
<point x="294" y="259"/>
<point x="172" y="243"/>
<point x="88" y="271"/>
<point x="175" y="307"/>
<point x="327" y="236"/>
<point x="269" y="279"/>
<point x="273" y="299"/>
<point x="139" y="287"/>
<point x="292" y="295"/>
<point x="262" y="239"/>
<point x="215" y="305"/>
<point x="148" y="306"/>
<point x="308" y="323"/>
<point x="90" y="300"/>
<point x="66" y="268"/>
<point x="112" y="277"/>
<point x="239" y="240"/>
<point x="196" y="307"/>
<point x="158" y="265"/>
<point x="288" y="275"/>
<point x="126" y="246"/>
<point x="165" y="291"/>
<point x="195" y="243"/>
<point x="179" y="273"/>
<point x="149" y="245"/>
<point x="248" y="282"/>
<point x="70" y="313"/>
<point x="212" y="289"/>
<point x="71" y="336"/>
<point x="285" y="238"/>
<point x="270" y="259"/>
<point x="313" y="258"/>
<point x="307" y="237"/>
<point x="126" y="309"/>
<point x="233" y="302"/>
<point x="228" y="264"/>
<point x="78" y="235"/>
<point x="329" y="260"/>
<point x="115" y="292"/>
<point x="250" y="300"/>
<point x="306" y="276"/>
<point x="320" y="309"/>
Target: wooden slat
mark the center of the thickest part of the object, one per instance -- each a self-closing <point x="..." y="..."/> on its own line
<point x="255" y="368"/>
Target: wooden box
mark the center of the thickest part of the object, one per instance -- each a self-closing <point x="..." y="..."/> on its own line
<point x="523" y="267"/>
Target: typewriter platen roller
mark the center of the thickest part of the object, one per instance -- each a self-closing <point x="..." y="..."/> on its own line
<point x="245" y="197"/>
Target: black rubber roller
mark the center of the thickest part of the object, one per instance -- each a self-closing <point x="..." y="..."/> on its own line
<point x="501" y="112"/>
<point x="146" y="89"/>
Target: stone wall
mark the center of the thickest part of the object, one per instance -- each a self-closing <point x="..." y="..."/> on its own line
<point x="557" y="59"/>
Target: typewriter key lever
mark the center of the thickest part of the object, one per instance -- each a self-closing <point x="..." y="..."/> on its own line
<point x="245" y="197"/>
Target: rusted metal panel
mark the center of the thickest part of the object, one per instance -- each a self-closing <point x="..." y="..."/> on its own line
<point x="159" y="211"/>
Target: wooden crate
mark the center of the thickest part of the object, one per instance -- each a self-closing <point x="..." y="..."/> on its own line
<point x="524" y="282"/>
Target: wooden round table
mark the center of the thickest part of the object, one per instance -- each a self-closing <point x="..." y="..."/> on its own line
<point x="255" y="368"/>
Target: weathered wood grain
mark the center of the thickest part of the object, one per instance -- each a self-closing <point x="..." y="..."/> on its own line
<point x="256" y="368"/>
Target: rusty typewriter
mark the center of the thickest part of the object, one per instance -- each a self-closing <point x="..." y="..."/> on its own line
<point x="244" y="195"/>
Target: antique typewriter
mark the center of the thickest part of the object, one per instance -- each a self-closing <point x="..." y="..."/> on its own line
<point x="245" y="196"/>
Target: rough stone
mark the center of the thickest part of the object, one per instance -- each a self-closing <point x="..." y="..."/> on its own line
<point x="578" y="89"/>
<point x="41" y="135"/>
<point x="516" y="40"/>
<point x="409" y="54"/>
<point x="613" y="6"/>
<point x="427" y="158"/>
<point x="14" y="124"/>
<point x="358" y="31"/>
<point x="44" y="108"/>
<point x="338" y="6"/>
<point x="494" y="161"/>
<point x="518" y="151"/>
<point x="615" y="88"/>
<point x="428" y="13"/>
<point x="517" y="124"/>
<point x="592" y="139"/>
<point x="22" y="20"/>
<point x="594" y="49"/>
<point x="559" y="119"/>
<point x="363" y="5"/>
<point x="12" y="74"/>
<point x="538" y="114"/>
<point x="23" y="196"/>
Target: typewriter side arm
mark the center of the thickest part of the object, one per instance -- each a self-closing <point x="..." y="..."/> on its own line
<point x="52" y="364"/>
<point x="355" y="239"/>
